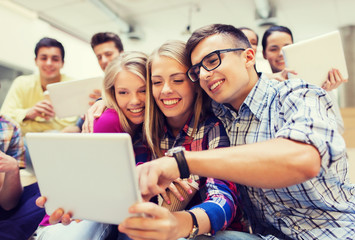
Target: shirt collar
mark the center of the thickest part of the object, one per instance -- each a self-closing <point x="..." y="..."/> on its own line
<point x="255" y="101"/>
<point x="258" y="97"/>
<point x="186" y="129"/>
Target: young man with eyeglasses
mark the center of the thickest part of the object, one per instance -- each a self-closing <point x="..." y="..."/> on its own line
<point x="287" y="154"/>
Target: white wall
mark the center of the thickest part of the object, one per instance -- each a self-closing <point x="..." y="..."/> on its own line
<point x="21" y="30"/>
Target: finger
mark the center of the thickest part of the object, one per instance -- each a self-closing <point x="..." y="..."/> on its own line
<point x="166" y="197"/>
<point x="290" y="71"/>
<point x="137" y="234"/>
<point x="66" y="219"/>
<point x="148" y="209"/>
<point x="85" y="127"/>
<point x="142" y="171"/>
<point x="56" y="216"/>
<point x="341" y="76"/>
<point x="185" y="185"/>
<point x="95" y="94"/>
<point x="45" y="110"/>
<point x="176" y="192"/>
<point x="284" y="74"/>
<point x="331" y="77"/>
<point x="99" y="109"/>
<point x="326" y="85"/>
<point x="338" y="78"/>
<point x="97" y="91"/>
<point x="279" y="79"/>
<point x="332" y="81"/>
<point x="147" y="227"/>
<point x="41" y="201"/>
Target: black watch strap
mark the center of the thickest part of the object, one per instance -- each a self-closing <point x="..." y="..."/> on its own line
<point x="182" y="164"/>
<point x="195" y="228"/>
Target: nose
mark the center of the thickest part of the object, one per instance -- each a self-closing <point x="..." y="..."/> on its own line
<point x="104" y="59"/>
<point x="166" y="88"/>
<point x="49" y="61"/>
<point x="204" y="74"/>
<point x="135" y="99"/>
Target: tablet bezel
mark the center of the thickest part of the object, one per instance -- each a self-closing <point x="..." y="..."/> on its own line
<point x="93" y="176"/>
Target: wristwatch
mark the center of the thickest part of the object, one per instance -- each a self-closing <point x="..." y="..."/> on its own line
<point x="195" y="228"/>
<point x="178" y="154"/>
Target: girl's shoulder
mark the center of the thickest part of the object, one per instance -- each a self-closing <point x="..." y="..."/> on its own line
<point x="108" y="122"/>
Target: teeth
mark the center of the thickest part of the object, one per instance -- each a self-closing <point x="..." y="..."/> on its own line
<point x="170" y="102"/>
<point x="216" y="85"/>
<point x="137" y="110"/>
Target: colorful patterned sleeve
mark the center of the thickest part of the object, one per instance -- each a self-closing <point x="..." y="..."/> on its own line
<point x="221" y="196"/>
<point x="12" y="141"/>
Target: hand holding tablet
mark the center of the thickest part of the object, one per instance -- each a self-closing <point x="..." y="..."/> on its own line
<point x="92" y="176"/>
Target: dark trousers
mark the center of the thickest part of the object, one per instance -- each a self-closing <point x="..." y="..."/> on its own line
<point x="21" y="222"/>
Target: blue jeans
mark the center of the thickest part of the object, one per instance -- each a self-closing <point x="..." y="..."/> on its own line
<point x="83" y="230"/>
<point x="229" y="235"/>
<point x="23" y="220"/>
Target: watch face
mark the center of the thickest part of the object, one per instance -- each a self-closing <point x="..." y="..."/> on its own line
<point x="171" y="151"/>
<point x="193" y="233"/>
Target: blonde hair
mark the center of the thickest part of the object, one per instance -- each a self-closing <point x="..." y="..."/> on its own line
<point x="134" y="62"/>
<point x="154" y="118"/>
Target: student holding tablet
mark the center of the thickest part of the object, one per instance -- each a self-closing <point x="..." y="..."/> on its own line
<point x="277" y="37"/>
<point x="124" y="86"/>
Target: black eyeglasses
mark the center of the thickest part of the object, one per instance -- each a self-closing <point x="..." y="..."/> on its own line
<point x="209" y="62"/>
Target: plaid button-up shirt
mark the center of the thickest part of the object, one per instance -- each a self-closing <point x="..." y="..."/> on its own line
<point x="217" y="198"/>
<point x="320" y="208"/>
<point x="11" y="142"/>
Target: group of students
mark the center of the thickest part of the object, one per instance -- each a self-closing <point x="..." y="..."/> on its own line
<point x="27" y="109"/>
<point x="267" y="155"/>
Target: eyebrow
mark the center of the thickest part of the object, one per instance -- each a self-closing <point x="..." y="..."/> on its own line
<point x="172" y="75"/>
<point x="46" y="55"/>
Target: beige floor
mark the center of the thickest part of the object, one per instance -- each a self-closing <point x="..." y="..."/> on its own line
<point x="27" y="178"/>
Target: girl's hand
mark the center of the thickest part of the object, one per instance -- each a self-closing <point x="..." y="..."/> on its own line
<point x="94" y="111"/>
<point x="58" y="215"/>
<point x="161" y="223"/>
<point x="184" y="186"/>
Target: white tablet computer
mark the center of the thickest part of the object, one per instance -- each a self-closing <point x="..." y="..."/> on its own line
<point x="313" y="58"/>
<point x="91" y="175"/>
<point x="71" y="98"/>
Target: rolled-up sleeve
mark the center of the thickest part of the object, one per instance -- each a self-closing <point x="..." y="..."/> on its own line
<point x="307" y="115"/>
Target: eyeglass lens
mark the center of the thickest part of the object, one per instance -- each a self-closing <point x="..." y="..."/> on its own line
<point x="209" y="63"/>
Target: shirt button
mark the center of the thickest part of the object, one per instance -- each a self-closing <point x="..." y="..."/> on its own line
<point x="237" y="125"/>
<point x="296" y="227"/>
<point x="278" y="214"/>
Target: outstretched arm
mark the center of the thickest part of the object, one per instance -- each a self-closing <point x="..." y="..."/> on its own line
<point x="275" y="163"/>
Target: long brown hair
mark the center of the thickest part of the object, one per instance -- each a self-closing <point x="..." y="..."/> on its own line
<point x="154" y="118"/>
